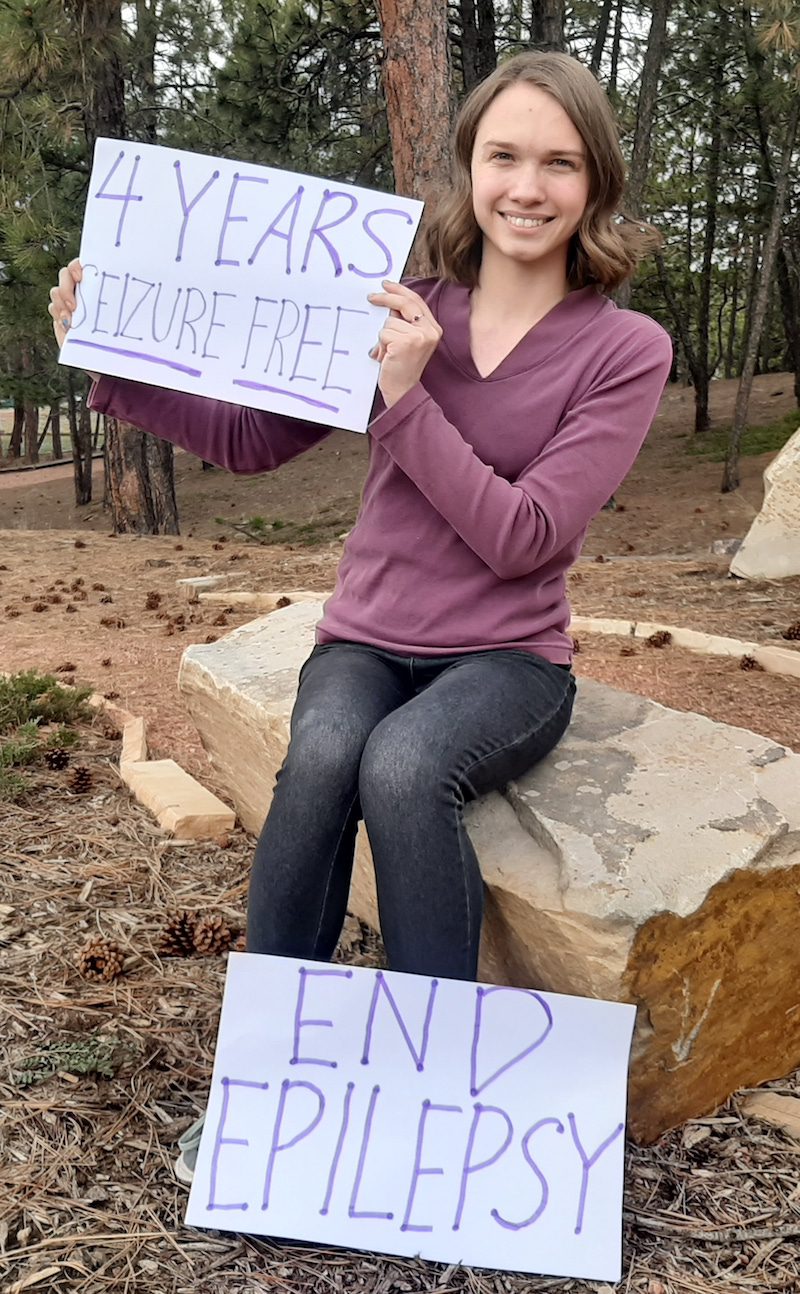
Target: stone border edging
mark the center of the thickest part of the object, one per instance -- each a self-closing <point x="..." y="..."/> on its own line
<point x="179" y="803"/>
<point x="774" y="660"/>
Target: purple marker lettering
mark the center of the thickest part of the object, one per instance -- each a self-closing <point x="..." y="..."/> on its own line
<point x="186" y="322"/>
<point x="215" y="297"/>
<point x="475" y="1087"/>
<point x="306" y="377"/>
<point x="274" y="232"/>
<point x="537" y="1213"/>
<point x="101" y="302"/>
<point x="331" y="386"/>
<point x="300" y="1023"/>
<point x="123" y="331"/>
<point x="381" y="986"/>
<point x="385" y="270"/>
<point x="337" y="1154"/>
<point x="254" y="324"/>
<point x="80" y="294"/>
<point x="352" y="1211"/>
<point x="319" y="230"/>
<point x="277" y="390"/>
<point x="156" y="303"/>
<point x="228" y="219"/>
<point x="418" y="1172"/>
<point x="122" y="306"/>
<point x="187" y="210"/>
<point x="137" y="354"/>
<point x="470" y="1168"/>
<point x="220" y="1141"/>
<point x="277" y="1146"/>
<point x="126" y="197"/>
<point x="281" y="337"/>
<point x="588" y="1163"/>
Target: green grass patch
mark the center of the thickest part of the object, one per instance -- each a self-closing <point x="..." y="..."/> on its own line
<point x="767" y="439"/>
<point x="30" y="702"/>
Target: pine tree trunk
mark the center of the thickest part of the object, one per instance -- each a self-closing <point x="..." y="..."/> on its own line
<point x="55" y="430"/>
<point x="714" y="158"/>
<point x="547" y="25"/>
<point x="15" y="443"/>
<point x="616" y="46"/>
<point x="80" y="433"/>
<point x="141" y="488"/>
<point x="31" y="432"/>
<point x="600" y="37"/>
<point x="645" y="116"/>
<point x="416" y="82"/>
<point x="730" y="475"/>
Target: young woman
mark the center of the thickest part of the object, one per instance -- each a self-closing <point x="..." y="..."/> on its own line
<point x="514" y="397"/>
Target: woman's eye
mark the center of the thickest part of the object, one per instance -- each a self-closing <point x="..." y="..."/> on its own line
<point x="564" y="161"/>
<point x="500" y="157"/>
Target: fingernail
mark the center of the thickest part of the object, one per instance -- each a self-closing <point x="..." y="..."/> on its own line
<point x="65" y="323"/>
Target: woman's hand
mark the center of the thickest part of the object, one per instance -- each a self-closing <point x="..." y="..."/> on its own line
<point x="406" y="341"/>
<point x="63" y="302"/>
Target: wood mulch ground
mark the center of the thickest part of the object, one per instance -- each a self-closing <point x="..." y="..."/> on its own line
<point x="88" y="1202"/>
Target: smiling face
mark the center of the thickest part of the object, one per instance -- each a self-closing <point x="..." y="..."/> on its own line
<point x="530" y="180"/>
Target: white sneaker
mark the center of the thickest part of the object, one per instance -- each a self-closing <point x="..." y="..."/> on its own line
<point x="189" y="1144"/>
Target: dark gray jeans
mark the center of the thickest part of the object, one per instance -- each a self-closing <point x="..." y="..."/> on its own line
<point x="404" y="742"/>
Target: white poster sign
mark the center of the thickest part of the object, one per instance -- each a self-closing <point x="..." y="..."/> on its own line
<point x="236" y="281"/>
<point x="460" y="1122"/>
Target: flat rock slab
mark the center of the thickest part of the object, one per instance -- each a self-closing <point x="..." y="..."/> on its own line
<point x="653" y="857"/>
<point x="771" y="547"/>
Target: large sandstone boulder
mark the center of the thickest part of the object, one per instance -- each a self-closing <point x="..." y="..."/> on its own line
<point x="771" y="547"/>
<point x="654" y="857"/>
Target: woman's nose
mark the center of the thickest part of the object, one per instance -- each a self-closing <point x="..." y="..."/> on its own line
<point x="528" y="185"/>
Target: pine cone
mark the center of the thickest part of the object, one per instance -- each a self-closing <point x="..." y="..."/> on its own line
<point x="212" y="935"/>
<point x="661" y="638"/>
<point x="793" y="632"/>
<point x="749" y="662"/>
<point x="152" y="601"/>
<point x="57" y="758"/>
<point x="177" y="937"/>
<point x="627" y="650"/>
<point x="81" y="780"/>
<point x="100" y="959"/>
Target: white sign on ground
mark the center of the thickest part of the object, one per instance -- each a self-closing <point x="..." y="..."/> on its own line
<point x="236" y="281"/>
<point x="381" y="1111"/>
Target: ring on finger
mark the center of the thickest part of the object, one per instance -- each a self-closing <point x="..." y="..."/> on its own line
<point x="416" y="318"/>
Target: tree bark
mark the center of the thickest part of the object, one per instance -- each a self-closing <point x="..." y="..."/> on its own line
<point x="616" y="46"/>
<point x="80" y="431"/>
<point x="416" y="83"/>
<point x="645" y="116"/>
<point x="15" y="443"/>
<point x="478" y="52"/>
<point x="730" y="475"/>
<point x="141" y="488"/>
<point x="547" y="25"/>
<point x="600" y="37"/>
<point x="55" y="430"/>
<point x="714" y="158"/>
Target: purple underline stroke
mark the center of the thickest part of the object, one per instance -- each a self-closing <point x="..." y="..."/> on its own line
<point x="293" y="395"/>
<point x="137" y="354"/>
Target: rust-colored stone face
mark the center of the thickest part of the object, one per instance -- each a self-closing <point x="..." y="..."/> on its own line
<point x="718" y="995"/>
<point x="653" y="857"/>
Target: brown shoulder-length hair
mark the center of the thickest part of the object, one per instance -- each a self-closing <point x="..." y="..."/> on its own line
<point x="607" y="246"/>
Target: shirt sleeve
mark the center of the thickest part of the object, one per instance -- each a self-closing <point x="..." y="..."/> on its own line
<point x="229" y="435"/>
<point x="517" y="526"/>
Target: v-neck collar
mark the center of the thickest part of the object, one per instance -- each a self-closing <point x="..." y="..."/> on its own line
<point x="559" y="324"/>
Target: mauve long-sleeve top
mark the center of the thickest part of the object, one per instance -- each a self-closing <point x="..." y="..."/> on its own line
<point x="479" y="490"/>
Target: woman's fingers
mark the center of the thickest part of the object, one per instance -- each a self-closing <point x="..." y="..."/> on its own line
<point x="63" y="301"/>
<point x="406" y="304"/>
